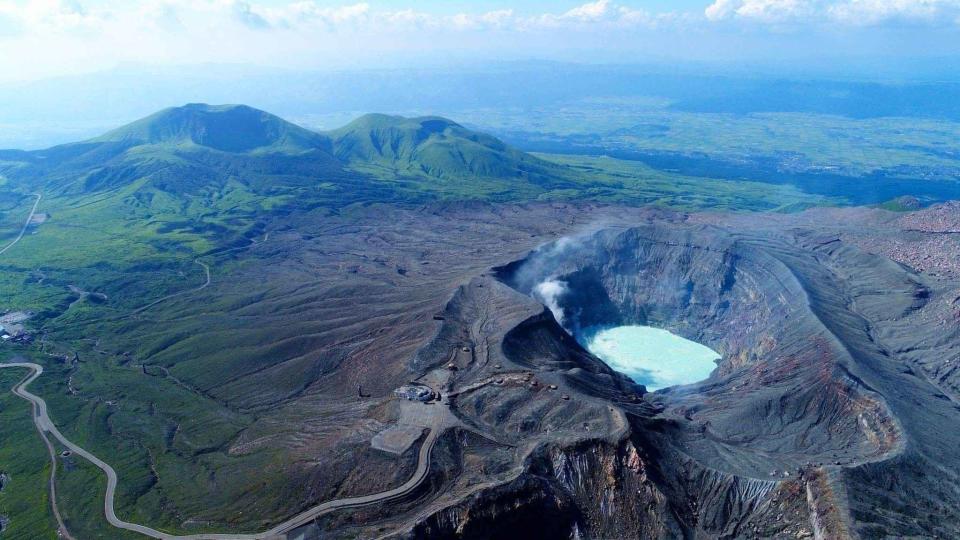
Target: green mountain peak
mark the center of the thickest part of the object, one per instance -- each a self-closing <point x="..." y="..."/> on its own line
<point x="227" y="128"/>
<point x="433" y="146"/>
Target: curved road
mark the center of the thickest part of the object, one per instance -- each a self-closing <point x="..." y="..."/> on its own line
<point x="25" y="225"/>
<point x="53" y="459"/>
<point x="42" y="420"/>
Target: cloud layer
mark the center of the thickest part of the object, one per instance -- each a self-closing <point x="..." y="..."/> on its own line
<point x="71" y="15"/>
<point x="43" y="37"/>
<point x="837" y="12"/>
<point x="25" y="16"/>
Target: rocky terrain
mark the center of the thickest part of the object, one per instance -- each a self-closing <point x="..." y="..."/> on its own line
<point x="830" y="415"/>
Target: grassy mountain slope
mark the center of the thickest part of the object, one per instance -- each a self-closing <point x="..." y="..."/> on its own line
<point x="437" y="148"/>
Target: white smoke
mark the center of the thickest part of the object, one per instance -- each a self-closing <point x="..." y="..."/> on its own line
<point x="549" y="293"/>
<point x="542" y="271"/>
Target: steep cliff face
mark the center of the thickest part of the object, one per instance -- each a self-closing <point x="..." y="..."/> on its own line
<point x="622" y="493"/>
<point x="602" y="489"/>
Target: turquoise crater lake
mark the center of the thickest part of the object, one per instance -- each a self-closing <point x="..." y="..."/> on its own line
<point x="651" y="356"/>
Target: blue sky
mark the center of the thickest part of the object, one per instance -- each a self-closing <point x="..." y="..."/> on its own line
<point x="44" y="38"/>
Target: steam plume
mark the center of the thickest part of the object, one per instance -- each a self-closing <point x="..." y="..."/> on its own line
<point x="549" y="293"/>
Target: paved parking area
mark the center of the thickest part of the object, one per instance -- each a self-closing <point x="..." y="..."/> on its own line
<point x="396" y="439"/>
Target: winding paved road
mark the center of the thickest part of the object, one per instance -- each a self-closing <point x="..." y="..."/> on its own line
<point x="25" y="225"/>
<point x="50" y="449"/>
<point x="42" y="420"/>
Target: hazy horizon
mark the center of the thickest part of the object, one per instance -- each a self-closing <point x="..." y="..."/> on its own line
<point x="81" y="67"/>
<point x="71" y="108"/>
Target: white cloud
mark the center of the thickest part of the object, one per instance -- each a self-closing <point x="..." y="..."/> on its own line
<point x="338" y="14"/>
<point x="721" y="9"/>
<point x="407" y="18"/>
<point x="842" y="12"/>
<point x="598" y="14"/>
<point x="867" y="12"/>
<point x="592" y="11"/>
<point x="774" y="10"/>
<point x="640" y="17"/>
<point x="312" y="12"/>
<point x="49" y="15"/>
<point x="630" y="17"/>
<point x="759" y="10"/>
<point x="493" y="19"/>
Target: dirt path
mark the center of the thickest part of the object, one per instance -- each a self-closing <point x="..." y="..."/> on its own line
<point x="25" y="225"/>
<point x="206" y="283"/>
<point x="46" y="426"/>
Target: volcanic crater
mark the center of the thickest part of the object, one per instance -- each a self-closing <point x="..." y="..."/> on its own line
<point x="809" y="426"/>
